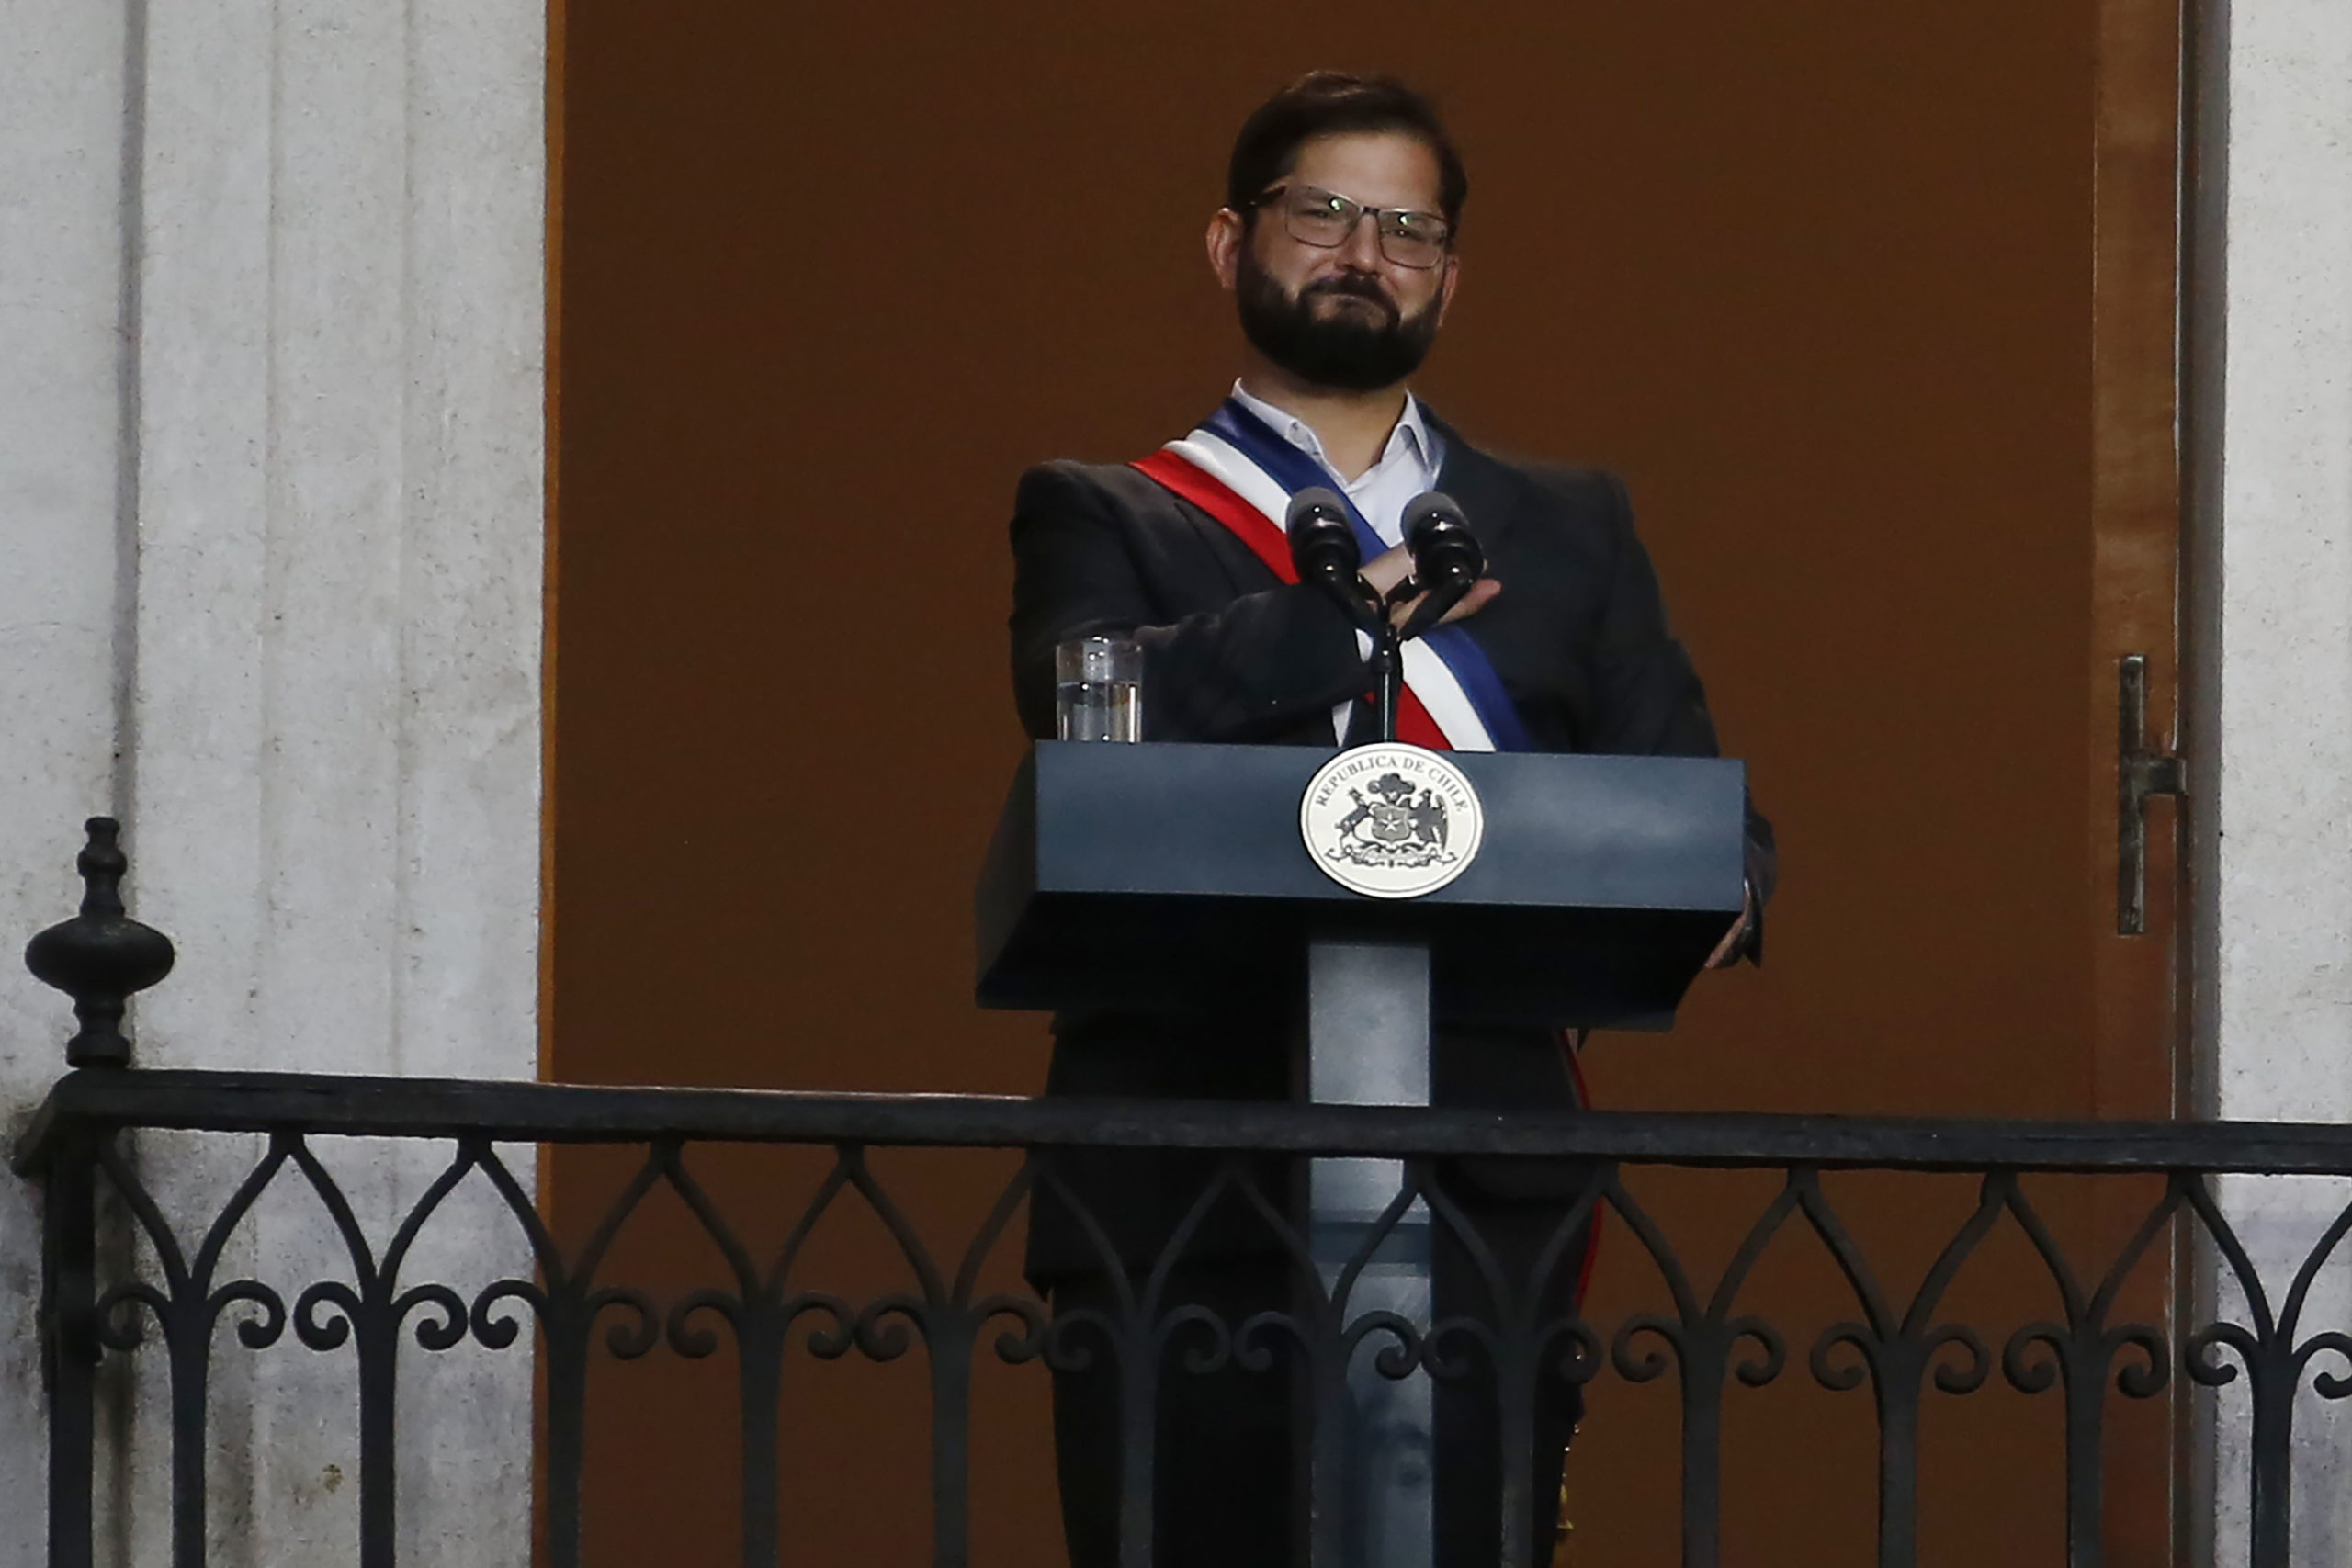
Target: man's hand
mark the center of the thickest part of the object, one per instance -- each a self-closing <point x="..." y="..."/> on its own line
<point x="1394" y="566"/>
<point x="1726" y="953"/>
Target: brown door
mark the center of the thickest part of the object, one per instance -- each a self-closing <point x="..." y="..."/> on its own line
<point x="1870" y="305"/>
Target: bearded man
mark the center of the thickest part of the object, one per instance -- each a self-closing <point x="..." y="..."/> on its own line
<point x="1337" y="239"/>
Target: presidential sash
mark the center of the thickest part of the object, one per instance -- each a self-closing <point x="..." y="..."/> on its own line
<point x="1242" y="474"/>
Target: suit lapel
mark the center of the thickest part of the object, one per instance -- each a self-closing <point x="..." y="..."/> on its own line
<point x="1491" y="496"/>
<point x="1487" y="492"/>
<point x="1244" y="572"/>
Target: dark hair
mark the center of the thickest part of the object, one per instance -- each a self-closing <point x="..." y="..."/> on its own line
<point x="1334" y="103"/>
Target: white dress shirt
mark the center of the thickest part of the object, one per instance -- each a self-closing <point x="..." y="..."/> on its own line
<point x="1408" y="466"/>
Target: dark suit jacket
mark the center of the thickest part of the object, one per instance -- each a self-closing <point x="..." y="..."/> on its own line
<point x="1579" y="636"/>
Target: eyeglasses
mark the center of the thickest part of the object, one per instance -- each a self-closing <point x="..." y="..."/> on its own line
<point x="1325" y="220"/>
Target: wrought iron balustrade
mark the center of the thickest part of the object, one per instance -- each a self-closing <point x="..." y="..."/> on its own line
<point x="190" y="1217"/>
<point x="1700" y="1327"/>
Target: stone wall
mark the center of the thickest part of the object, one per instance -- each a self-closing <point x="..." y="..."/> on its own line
<point x="271" y="458"/>
<point x="2269" y="631"/>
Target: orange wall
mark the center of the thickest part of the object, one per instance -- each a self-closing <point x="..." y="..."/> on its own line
<point x="1816" y="279"/>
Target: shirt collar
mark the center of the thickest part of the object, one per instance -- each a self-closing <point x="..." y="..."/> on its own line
<point x="1412" y="433"/>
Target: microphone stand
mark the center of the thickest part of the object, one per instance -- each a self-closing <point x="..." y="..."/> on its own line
<point x="1373" y="616"/>
<point x="1389" y="662"/>
<point x="1369" y="611"/>
<point x="1389" y="638"/>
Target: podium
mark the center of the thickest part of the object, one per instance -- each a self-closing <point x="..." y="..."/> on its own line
<point x="1591" y="895"/>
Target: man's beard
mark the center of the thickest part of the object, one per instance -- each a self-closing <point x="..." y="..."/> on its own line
<point x="1351" y="351"/>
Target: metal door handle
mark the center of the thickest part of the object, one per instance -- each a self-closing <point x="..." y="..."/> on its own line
<point x="2139" y="774"/>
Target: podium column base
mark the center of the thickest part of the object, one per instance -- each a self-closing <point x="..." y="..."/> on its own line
<point x="1368" y="1043"/>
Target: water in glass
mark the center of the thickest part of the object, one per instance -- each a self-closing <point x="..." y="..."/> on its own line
<point x="1098" y="689"/>
<point x="1099" y="710"/>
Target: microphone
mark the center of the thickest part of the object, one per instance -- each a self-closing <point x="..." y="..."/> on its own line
<point x="1322" y="541"/>
<point x="1324" y="550"/>
<point x="1447" y="559"/>
<point x="1445" y="553"/>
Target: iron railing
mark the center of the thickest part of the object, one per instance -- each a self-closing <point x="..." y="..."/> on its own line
<point x="2073" y="1233"/>
<point x="1701" y="1330"/>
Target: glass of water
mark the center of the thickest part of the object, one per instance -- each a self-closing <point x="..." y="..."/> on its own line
<point x="1098" y="689"/>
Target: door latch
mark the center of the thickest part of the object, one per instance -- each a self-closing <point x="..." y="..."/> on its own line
<point x="2139" y="772"/>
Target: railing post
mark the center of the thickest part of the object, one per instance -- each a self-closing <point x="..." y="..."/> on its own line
<point x="1898" y="1462"/>
<point x="566" y="1329"/>
<point x="69" y="1345"/>
<point x="1702" y="1453"/>
<point x="100" y="958"/>
<point x="2272" y="1457"/>
<point x="950" y="1344"/>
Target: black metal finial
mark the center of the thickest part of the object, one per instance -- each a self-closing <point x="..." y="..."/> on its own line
<point x="101" y="955"/>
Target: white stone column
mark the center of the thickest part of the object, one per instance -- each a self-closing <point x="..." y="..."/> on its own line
<point x="271" y="458"/>
<point x="2270" y="444"/>
<point x="61" y="132"/>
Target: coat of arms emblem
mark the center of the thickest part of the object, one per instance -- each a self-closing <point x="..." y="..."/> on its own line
<point x="1391" y="821"/>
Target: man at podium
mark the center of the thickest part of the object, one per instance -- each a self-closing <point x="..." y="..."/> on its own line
<point x="1338" y="240"/>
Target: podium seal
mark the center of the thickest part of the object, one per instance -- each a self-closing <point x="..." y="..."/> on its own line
<point x="1390" y="820"/>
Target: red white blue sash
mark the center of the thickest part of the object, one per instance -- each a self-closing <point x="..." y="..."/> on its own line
<point x="1242" y="474"/>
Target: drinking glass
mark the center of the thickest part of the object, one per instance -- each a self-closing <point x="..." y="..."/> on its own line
<point x="1098" y="689"/>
